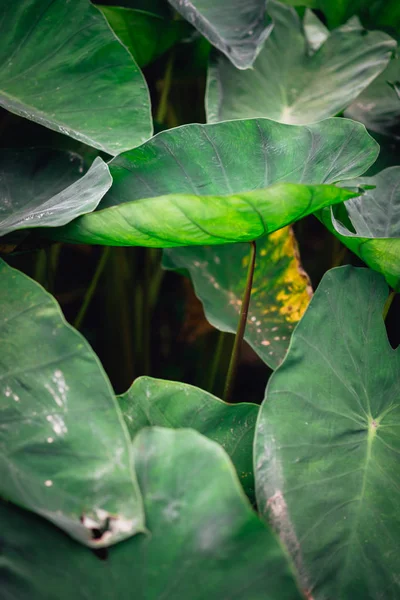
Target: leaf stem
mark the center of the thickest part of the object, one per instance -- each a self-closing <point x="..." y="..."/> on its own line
<point x="92" y="287"/>
<point x="216" y="363"/>
<point x="388" y="304"/>
<point x="244" y="310"/>
<point x="166" y="86"/>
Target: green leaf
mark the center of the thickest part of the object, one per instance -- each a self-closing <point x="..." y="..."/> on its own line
<point x="291" y="84"/>
<point x="178" y="405"/>
<point x="204" y="540"/>
<point x="375" y="218"/>
<point x="327" y="443"/>
<point x="146" y="35"/>
<point x="376" y="13"/>
<point x="280" y="294"/>
<point x="45" y="188"/>
<point x="64" y="446"/>
<point x="378" y="107"/>
<point x="61" y="66"/>
<point x="238" y="29"/>
<point x="213" y="184"/>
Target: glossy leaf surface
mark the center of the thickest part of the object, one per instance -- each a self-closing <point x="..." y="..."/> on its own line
<point x="327" y="443"/>
<point x="378" y="107"/>
<point x="214" y="184"/>
<point x="176" y="405"/>
<point x="280" y="294"/>
<point x="61" y="66"/>
<point x="199" y="523"/>
<point x="46" y="188"/>
<point x="145" y="34"/>
<point x="238" y="29"/>
<point x="375" y="218"/>
<point x="291" y="84"/>
<point x="65" y="451"/>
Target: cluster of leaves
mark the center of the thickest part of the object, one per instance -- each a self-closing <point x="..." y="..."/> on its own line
<point x="153" y="493"/>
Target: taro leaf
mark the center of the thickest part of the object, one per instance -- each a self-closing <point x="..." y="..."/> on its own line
<point x="280" y="294"/>
<point x="237" y="28"/>
<point x="378" y="107"/>
<point x="45" y="188"/>
<point x="291" y="84"/>
<point x="204" y="540"/>
<point x="65" y="450"/>
<point x="61" y="66"/>
<point x="375" y="218"/>
<point x="146" y="35"/>
<point x="327" y="443"/>
<point x="208" y="184"/>
<point x="178" y="405"/>
<point x="373" y="13"/>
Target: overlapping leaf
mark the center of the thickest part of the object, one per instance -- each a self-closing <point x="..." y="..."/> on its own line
<point x="292" y="84"/>
<point x="228" y="182"/>
<point x="61" y="66"/>
<point x="204" y="541"/>
<point x="46" y="188"/>
<point x="65" y="451"/>
<point x="327" y="443"/>
<point x="373" y="232"/>
<point x="236" y="28"/>
<point x="280" y="294"/>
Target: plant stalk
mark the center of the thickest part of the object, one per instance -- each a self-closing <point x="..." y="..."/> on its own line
<point x="244" y="310"/>
<point x="92" y="287"/>
<point x="388" y="304"/>
<point x="166" y="86"/>
<point x="216" y="363"/>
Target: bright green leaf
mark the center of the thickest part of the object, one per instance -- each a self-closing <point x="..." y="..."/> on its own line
<point x="280" y="294"/>
<point x="65" y="450"/>
<point x="203" y="540"/>
<point x="378" y="107"/>
<point x="61" y="66"/>
<point x="145" y="34"/>
<point x="375" y="218"/>
<point x="327" y="443"/>
<point x="291" y="84"/>
<point x="237" y="28"/>
<point x="178" y="405"/>
<point x="45" y="188"/>
<point x="214" y="184"/>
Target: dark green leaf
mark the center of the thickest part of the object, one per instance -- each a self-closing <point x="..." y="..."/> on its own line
<point x="214" y="184"/>
<point x="280" y="294"/>
<point x="327" y="443"/>
<point x="61" y="66"/>
<point x="145" y="34"/>
<point x="375" y="218"/>
<point x="45" y="188"/>
<point x="178" y="405"/>
<point x="64" y="446"/>
<point x="203" y="540"/>
<point x="237" y="28"/>
<point x="291" y="84"/>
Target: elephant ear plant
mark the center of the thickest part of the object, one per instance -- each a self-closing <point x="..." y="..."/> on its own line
<point x="165" y="166"/>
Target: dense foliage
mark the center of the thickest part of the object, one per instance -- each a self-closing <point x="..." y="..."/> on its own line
<point x="166" y="169"/>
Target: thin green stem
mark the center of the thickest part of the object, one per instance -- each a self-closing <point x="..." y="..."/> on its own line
<point x="244" y="310"/>
<point x="92" y="287"/>
<point x="40" y="272"/>
<point x="166" y="86"/>
<point x="388" y="304"/>
<point x="146" y="311"/>
<point x="216" y="363"/>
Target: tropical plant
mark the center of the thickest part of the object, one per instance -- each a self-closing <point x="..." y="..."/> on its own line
<point x="166" y="169"/>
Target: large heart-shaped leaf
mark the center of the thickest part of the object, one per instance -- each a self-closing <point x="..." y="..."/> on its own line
<point x="145" y="34"/>
<point x="280" y="294"/>
<point x="378" y="107"/>
<point x="65" y="451"/>
<point x="291" y="84"/>
<point x="237" y="28"/>
<point x="213" y="184"/>
<point x="178" y="405"/>
<point x="45" y="188"/>
<point x="204" y="541"/>
<point x="327" y="443"/>
<point x="62" y="66"/>
<point x="375" y="218"/>
<point x="376" y="13"/>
